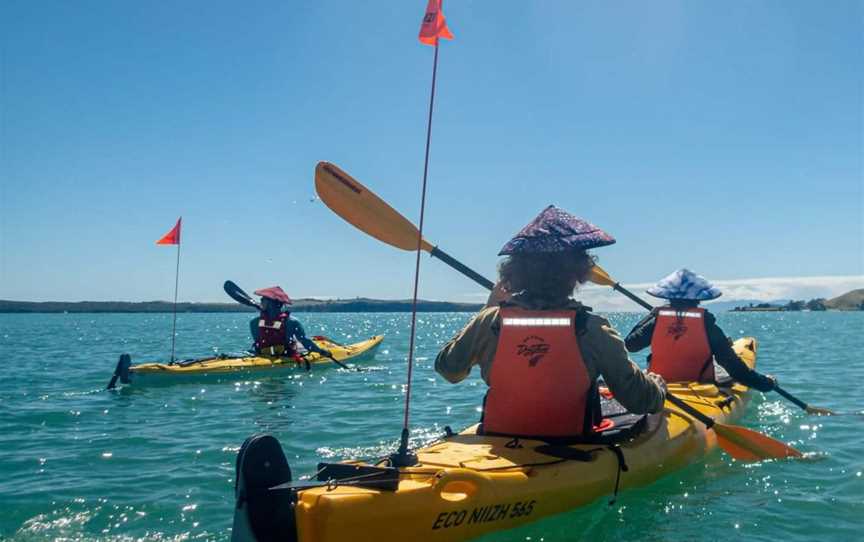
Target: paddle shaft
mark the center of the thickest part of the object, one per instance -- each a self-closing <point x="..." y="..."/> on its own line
<point x="707" y="420"/>
<point x="632" y="296"/>
<point x="488" y="284"/>
<point x="462" y="268"/>
<point x="339" y="363"/>
<point x="801" y="404"/>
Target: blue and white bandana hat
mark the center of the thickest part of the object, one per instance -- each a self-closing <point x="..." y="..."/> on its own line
<point x="556" y="230"/>
<point x="685" y="284"/>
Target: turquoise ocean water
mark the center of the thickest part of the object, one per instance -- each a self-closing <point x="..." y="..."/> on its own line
<point x="81" y="463"/>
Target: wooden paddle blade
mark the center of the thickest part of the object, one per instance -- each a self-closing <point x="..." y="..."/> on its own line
<point x="748" y="445"/>
<point x="361" y="208"/>
<point x="601" y="277"/>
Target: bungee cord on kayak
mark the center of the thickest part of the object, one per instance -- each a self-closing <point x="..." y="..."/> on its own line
<point x="433" y="28"/>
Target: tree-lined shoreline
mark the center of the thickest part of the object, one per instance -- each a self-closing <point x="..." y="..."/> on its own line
<point x="850" y="301"/>
<point x="359" y="304"/>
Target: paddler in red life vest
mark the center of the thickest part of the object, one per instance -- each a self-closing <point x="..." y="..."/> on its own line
<point x="685" y="340"/>
<point x="275" y="332"/>
<point x="540" y="351"/>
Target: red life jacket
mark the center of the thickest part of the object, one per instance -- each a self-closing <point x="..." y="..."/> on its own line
<point x="680" y="350"/>
<point x="271" y="336"/>
<point x="538" y="384"/>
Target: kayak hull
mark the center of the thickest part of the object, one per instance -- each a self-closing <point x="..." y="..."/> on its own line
<point x="215" y="369"/>
<point x="468" y="485"/>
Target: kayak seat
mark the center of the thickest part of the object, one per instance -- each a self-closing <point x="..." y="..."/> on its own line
<point x="619" y="424"/>
<point x="616" y="424"/>
<point x="721" y="377"/>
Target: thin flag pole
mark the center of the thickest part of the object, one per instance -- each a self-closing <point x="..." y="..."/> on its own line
<point x="176" y="286"/>
<point x="403" y="445"/>
<point x="173" y="238"/>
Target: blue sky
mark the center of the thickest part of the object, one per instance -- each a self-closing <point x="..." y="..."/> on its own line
<point x="726" y="138"/>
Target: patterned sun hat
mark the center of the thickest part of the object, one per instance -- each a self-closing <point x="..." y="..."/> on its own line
<point x="276" y="293"/>
<point x="685" y="284"/>
<point x="556" y="230"/>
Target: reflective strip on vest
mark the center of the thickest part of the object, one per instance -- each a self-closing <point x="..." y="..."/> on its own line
<point x="680" y="351"/>
<point x="538" y="322"/>
<point x="275" y="325"/>
<point x="538" y="383"/>
<point x="683" y="314"/>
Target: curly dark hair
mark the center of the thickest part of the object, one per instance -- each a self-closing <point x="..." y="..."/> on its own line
<point x="548" y="276"/>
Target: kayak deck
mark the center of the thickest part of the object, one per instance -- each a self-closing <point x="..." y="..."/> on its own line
<point x="467" y="485"/>
<point x="257" y="365"/>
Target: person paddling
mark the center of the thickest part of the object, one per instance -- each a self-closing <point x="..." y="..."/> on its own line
<point x="540" y="351"/>
<point x="685" y="339"/>
<point x="276" y="332"/>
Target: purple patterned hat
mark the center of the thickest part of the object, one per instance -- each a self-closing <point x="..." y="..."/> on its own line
<point x="556" y="230"/>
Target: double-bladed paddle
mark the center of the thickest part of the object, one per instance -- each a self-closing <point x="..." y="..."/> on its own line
<point x="237" y="294"/>
<point x="361" y="208"/>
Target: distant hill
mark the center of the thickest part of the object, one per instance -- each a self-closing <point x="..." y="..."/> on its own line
<point x="850" y="301"/>
<point x="360" y="304"/>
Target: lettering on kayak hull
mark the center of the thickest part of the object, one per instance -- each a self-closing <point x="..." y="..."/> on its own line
<point x="483" y="514"/>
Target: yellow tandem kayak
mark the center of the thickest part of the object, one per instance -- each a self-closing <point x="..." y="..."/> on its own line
<point x="241" y="367"/>
<point x="467" y="485"/>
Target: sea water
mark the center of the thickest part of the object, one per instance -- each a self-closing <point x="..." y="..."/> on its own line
<point x="81" y="463"/>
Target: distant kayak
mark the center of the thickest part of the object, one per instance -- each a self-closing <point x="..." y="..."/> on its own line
<point x="468" y="484"/>
<point x="225" y="367"/>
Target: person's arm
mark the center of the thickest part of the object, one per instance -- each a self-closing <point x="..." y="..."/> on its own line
<point x="253" y="329"/>
<point x="474" y="345"/>
<point x="640" y="336"/>
<point x="639" y="392"/>
<point x="729" y="360"/>
<point x="295" y="329"/>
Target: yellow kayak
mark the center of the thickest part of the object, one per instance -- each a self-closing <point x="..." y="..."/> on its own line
<point x="241" y="367"/>
<point x="467" y="485"/>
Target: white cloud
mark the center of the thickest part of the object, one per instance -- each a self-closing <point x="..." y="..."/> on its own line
<point x="602" y="298"/>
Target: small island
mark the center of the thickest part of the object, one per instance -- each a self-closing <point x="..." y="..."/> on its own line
<point x="850" y="301"/>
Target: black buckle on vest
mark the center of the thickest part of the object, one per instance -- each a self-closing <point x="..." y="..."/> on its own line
<point x="513" y="443"/>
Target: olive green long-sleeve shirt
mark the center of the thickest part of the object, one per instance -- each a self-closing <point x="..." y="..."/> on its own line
<point x="602" y="351"/>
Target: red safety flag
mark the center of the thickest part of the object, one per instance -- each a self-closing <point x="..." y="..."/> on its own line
<point x="434" y="24"/>
<point x="173" y="236"/>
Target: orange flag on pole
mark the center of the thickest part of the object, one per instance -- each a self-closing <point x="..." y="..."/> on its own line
<point x="434" y="24"/>
<point x="173" y="236"/>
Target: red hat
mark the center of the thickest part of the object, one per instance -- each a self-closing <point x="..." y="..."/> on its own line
<point x="276" y="293"/>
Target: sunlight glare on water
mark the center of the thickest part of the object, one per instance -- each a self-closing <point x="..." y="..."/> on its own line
<point x="158" y="463"/>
